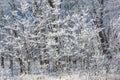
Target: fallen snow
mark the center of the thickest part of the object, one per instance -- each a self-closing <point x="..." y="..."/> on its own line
<point x="62" y="77"/>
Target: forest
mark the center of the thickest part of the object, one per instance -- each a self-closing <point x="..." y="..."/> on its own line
<point x="59" y="39"/>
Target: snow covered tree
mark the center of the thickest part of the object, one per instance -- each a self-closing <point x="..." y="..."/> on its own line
<point x="61" y="36"/>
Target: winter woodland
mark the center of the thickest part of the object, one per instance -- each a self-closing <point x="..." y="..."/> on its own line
<point x="59" y="39"/>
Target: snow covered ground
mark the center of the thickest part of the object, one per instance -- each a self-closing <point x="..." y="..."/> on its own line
<point x="62" y="77"/>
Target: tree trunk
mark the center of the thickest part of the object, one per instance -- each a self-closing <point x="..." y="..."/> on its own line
<point x="28" y="67"/>
<point x="21" y="65"/>
<point x="103" y="36"/>
<point x="104" y="40"/>
<point x="51" y="3"/>
<point x="2" y="61"/>
<point x="11" y="66"/>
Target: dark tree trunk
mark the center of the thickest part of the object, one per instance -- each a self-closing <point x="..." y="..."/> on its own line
<point x="28" y="67"/>
<point x="103" y="36"/>
<point x="11" y="66"/>
<point x="104" y="40"/>
<point x="2" y="61"/>
<point x="21" y="65"/>
<point x="51" y="3"/>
